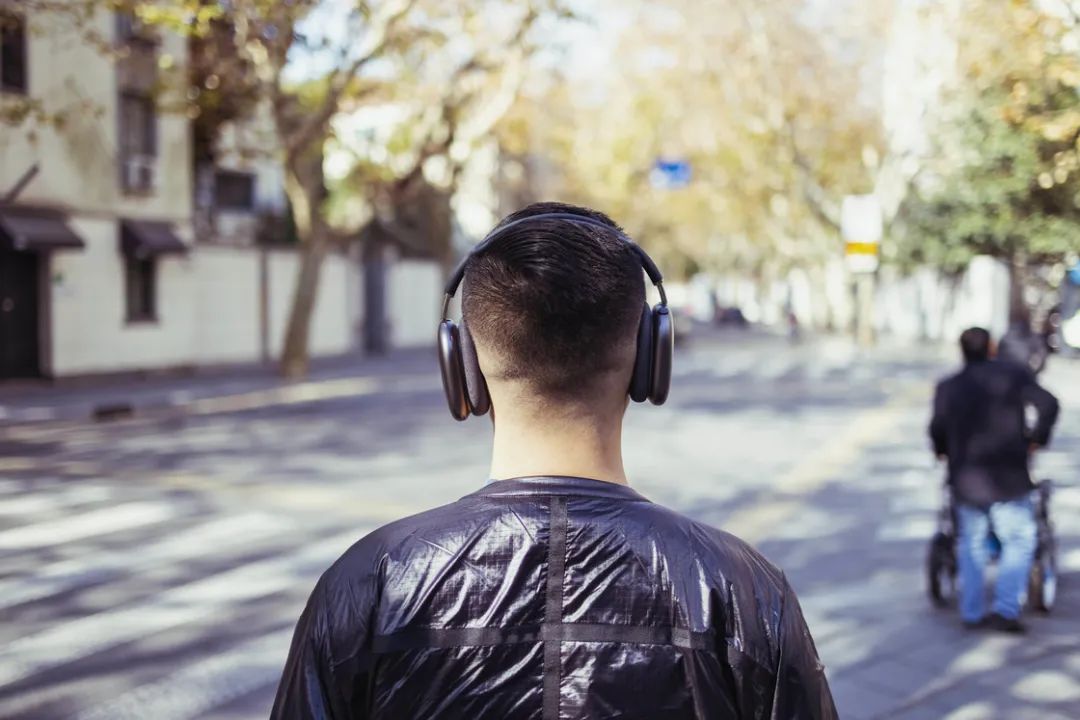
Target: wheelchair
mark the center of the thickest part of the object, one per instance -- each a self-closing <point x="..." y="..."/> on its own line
<point x="941" y="563"/>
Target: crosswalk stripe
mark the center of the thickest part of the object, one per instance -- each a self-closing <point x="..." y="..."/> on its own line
<point x="776" y="368"/>
<point x="209" y="539"/>
<point x="27" y="505"/>
<point x="64" y="498"/>
<point x="723" y="367"/>
<point x="67" y="642"/>
<point x="96" y="522"/>
<point x="202" y="686"/>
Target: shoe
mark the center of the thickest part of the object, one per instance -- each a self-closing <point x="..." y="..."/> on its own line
<point x="1007" y="625"/>
<point x="980" y="624"/>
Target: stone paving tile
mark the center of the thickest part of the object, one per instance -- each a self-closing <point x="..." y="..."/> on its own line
<point x="858" y="701"/>
<point x="970" y="701"/>
<point x="975" y="710"/>
<point x="1054" y="678"/>
<point x="900" y="658"/>
<point x="903" y="681"/>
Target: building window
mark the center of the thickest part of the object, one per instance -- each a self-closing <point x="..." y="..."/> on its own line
<point x="138" y="141"/>
<point x="140" y="276"/>
<point x="127" y="28"/>
<point x="131" y="31"/>
<point x="13" y="71"/>
<point x="234" y="190"/>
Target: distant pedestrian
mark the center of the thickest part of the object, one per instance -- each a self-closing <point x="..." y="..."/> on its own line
<point x="554" y="591"/>
<point x="794" y="330"/>
<point x="1020" y="345"/>
<point x="979" y="426"/>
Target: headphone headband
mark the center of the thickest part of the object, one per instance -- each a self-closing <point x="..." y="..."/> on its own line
<point x="646" y="262"/>
<point x="463" y="381"/>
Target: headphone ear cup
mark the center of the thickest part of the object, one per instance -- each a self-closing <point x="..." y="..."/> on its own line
<point x="475" y="384"/>
<point x="452" y="370"/>
<point x="663" y="337"/>
<point x="641" y="380"/>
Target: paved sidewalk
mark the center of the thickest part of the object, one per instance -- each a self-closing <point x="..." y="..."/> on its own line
<point x="859" y="569"/>
<point x="254" y="384"/>
<point x="155" y="567"/>
<point x="241" y="386"/>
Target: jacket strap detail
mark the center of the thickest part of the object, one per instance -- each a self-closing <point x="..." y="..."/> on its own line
<point x="553" y="610"/>
<point x="438" y="638"/>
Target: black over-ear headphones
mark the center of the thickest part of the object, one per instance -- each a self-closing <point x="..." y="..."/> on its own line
<point x="466" y="390"/>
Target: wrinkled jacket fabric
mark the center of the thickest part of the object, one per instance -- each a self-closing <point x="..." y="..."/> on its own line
<point x="549" y="598"/>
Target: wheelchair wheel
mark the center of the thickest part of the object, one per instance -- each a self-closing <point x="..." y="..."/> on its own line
<point x="1042" y="583"/>
<point x="941" y="571"/>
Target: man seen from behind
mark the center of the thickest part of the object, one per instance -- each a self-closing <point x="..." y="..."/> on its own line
<point x="554" y="590"/>
<point x="979" y="425"/>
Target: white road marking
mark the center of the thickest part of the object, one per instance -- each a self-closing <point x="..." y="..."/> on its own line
<point x="41" y="500"/>
<point x="209" y="539"/>
<point x="775" y="368"/>
<point x="207" y="598"/>
<point x="97" y="522"/>
<point x="202" y="686"/>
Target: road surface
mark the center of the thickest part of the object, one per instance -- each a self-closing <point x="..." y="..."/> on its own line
<point x="154" y="567"/>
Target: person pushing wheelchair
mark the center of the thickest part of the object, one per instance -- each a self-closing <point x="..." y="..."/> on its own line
<point x="979" y="426"/>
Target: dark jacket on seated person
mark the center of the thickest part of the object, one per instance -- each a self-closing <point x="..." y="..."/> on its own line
<point x="979" y="423"/>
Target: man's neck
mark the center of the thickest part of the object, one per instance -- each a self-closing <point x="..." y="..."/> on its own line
<point x="583" y="447"/>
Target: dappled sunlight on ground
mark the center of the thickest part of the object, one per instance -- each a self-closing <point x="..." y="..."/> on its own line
<point x="154" y="566"/>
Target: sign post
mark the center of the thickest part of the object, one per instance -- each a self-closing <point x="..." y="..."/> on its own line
<point x="862" y="228"/>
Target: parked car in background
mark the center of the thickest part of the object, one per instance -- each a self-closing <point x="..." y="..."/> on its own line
<point x="731" y="317"/>
<point x="684" y="323"/>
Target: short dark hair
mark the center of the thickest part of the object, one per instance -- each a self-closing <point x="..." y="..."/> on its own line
<point x="975" y="344"/>
<point x="557" y="300"/>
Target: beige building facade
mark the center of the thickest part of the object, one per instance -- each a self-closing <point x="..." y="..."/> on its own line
<point x="117" y="254"/>
<point x="95" y="244"/>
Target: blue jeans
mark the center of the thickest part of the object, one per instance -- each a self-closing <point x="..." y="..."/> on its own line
<point x="1014" y="524"/>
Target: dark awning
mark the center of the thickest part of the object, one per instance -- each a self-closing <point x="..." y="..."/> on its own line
<point x="28" y="229"/>
<point x="146" y="238"/>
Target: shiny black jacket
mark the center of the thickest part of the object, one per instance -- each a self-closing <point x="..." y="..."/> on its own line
<point x="552" y="598"/>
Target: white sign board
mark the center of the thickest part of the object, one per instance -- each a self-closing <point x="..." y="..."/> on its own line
<point x="860" y="219"/>
<point x="861" y="226"/>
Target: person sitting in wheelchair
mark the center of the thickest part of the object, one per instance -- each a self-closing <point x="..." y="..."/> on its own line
<point x="979" y="427"/>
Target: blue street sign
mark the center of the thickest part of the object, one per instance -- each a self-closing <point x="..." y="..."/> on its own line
<point x="669" y="174"/>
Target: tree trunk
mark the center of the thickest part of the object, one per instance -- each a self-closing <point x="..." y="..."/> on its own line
<point x="1019" y="313"/>
<point x="294" y="356"/>
<point x="313" y="245"/>
<point x="376" y="326"/>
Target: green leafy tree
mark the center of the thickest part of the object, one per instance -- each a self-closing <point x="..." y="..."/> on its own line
<point x="306" y="62"/>
<point x="1005" y="177"/>
<point x="772" y="120"/>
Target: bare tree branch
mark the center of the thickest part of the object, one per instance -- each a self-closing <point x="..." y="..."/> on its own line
<point x="339" y="81"/>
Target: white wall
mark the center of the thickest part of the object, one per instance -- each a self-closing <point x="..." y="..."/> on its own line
<point x="414" y="301"/>
<point x="208" y="307"/>
<point x="926" y="306"/>
<point x="332" y="325"/>
<point x="225" y="288"/>
<point x="90" y="328"/>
